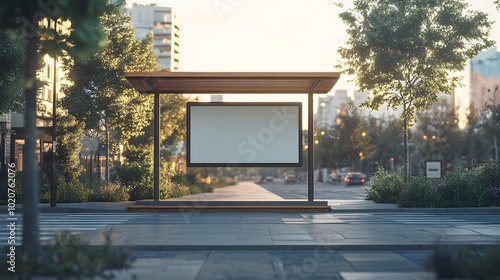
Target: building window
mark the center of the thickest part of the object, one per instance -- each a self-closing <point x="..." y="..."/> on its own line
<point x="48" y="71"/>
<point x="164" y="63"/>
<point x="163" y="26"/>
<point x="163" y="17"/>
<point x="47" y="94"/>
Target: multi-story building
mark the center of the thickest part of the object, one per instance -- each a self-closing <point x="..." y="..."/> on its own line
<point x="5" y="142"/>
<point x="53" y="77"/>
<point x="161" y="22"/>
<point x="329" y="107"/>
<point x="484" y="78"/>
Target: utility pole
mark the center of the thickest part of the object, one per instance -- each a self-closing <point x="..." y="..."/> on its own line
<point x="53" y="186"/>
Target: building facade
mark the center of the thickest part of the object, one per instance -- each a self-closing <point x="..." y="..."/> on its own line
<point x="161" y="23"/>
<point x="53" y="77"/>
<point x="484" y="78"/>
<point x="5" y="142"/>
<point x="330" y="107"/>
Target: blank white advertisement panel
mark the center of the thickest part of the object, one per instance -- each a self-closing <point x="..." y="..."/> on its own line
<point x="244" y="134"/>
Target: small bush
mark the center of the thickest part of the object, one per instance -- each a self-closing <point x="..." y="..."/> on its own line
<point x="72" y="192"/>
<point x="465" y="263"/>
<point x="71" y="258"/>
<point x="462" y="188"/>
<point x="131" y="173"/>
<point x="174" y="190"/>
<point x="200" y="188"/>
<point x="190" y="178"/>
<point x="420" y="192"/>
<point x="385" y="187"/>
<point x="4" y="186"/>
<point x="142" y="190"/>
<point x="137" y="177"/>
<point x="489" y="175"/>
<point x="494" y="196"/>
<point x="109" y="192"/>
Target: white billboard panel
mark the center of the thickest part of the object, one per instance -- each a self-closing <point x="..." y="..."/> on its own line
<point x="244" y="134"/>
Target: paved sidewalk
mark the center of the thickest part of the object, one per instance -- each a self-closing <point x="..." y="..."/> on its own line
<point x="298" y="231"/>
<point x="358" y="240"/>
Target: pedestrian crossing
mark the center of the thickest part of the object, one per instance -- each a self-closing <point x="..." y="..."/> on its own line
<point x="51" y="223"/>
<point x="403" y="218"/>
<point x="423" y="219"/>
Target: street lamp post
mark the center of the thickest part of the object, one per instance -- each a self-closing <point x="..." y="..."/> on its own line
<point x="53" y="187"/>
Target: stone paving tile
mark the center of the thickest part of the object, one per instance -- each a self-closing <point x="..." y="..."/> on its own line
<point x="386" y="276"/>
<point x="254" y="226"/>
<point x="238" y="265"/>
<point x="469" y="238"/>
<point x="291" y="237"/>
<point x="380" y="261"/>
<point x="421" y="257"/>
<point x="320" y="263"/>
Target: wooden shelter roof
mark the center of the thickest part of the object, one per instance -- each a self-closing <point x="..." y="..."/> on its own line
<point x="233" y="82"/>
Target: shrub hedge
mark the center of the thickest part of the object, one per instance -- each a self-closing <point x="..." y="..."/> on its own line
<point x="461" y="188"/>
<point x="385" y="187"/>
<point x="420" y="192"/>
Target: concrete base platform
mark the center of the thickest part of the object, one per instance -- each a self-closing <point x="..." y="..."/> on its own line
<point x="230" y="206"/>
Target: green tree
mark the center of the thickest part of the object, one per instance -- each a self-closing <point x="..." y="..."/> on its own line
<point x="345" y="143"/>
<point x="408" y="51"/>
<point x="11" y="84"/>
<point x="85" y="37"/>
<point x="475" y="144"/>
<point x="172" y="122"/>
<point x="490" y="116"/>
<point x="69" y="134"/>
<point x="100" y="96"/>
<point x="389" y="153"/>
<point x="438" y="136"/>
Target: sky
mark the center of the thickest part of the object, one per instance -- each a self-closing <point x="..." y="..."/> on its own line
<point x="271" y="35"/>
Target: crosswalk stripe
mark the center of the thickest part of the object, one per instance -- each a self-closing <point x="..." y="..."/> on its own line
<point x="422" y="218"/>
<point x="50" y="224"/>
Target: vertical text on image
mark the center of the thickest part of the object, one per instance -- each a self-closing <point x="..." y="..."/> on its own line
<point x="11" y="219"/>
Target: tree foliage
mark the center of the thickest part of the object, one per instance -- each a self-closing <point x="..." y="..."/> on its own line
<point x="407" y="52"/>
<point x="11" y="83"/>
<point x="84" y="37"/>
<point x="490" y="116"/>
<point x="172" y="125"/>
<point x="438" y="136"/>
<point x="344" y="144"/>
<point x="389" y="151"/>
<point x="100" y="94"/>
<point x="69" y="135"/>
<point x="408" y="60"/>
<point x="475" y="143"/>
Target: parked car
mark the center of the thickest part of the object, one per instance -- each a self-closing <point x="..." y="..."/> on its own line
<point x="268" y="179"/>
<point x="354" y="178"/>
<point x="290" y="178"/>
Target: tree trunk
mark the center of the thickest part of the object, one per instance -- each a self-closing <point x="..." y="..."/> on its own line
<point x="106" y="174"/>
<point x="30" y="190"/>
<point x="496" y="147"/>
<point x="407" y="152"/>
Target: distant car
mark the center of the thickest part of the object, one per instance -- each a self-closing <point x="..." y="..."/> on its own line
<point x="268" y="179"/>
<point x="354" y="178"/>
<point x="290" y="178"/>
<point x="334" y="179"/>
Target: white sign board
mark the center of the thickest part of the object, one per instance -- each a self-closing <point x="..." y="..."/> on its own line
<point x="244" y="134"/>
<point x="433" y="169"/>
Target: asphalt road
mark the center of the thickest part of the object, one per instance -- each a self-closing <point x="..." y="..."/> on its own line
<point x="336" y="191"/>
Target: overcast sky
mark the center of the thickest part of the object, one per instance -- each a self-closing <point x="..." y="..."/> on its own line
<point x="269" y="35"/>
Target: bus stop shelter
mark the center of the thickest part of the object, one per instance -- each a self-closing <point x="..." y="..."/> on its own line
<point x="156" y="83"/>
